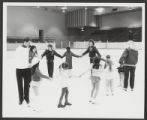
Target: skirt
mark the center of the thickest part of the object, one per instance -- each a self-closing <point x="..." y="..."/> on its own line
<point x="64" y="83"/>
<point x="35" y="83"/>
<point x="95" y="79"/>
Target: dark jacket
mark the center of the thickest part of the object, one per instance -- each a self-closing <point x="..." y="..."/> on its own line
<point x="50" y="55"/>
<point x="68" y="56"/>
<point x="92" y="52"/>
<point x="129" y="57"/>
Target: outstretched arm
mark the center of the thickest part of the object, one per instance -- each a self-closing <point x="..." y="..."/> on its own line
<point x="42" y="75"/>
<point x="87" y="50"/>
<point x="64" y="55"/>
<point x="44" y="53"/>
<point x="57" y="54"/>
<point x="86" y="71"/>
<point x="104" y="60"/>
<point x="74" y="55"/>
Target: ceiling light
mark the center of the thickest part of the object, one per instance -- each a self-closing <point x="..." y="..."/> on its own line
<point x="100" y="10"/>
<point x="82" y="29"/>
<point x="64" y="8"/>
<point x="131" y="8"/>
<point x="86" y="8"/>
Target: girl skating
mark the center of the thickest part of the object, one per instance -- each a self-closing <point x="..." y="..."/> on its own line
<point x="109" y="75"/>
<point x="69" y="54"/>
<point x="36" y="73"/>
<point x="64" y="83"/>
<point x="92" y="50"/>
<point x="96" y="72"/>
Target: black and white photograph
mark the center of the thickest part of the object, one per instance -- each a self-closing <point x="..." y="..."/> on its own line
<point x="73" y="60"/>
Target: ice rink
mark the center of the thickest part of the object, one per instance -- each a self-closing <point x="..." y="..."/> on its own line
<point x="121" y="105"/>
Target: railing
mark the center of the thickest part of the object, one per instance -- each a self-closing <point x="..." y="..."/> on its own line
<point x="72" y="41"/>
<point x="79" y="45"/>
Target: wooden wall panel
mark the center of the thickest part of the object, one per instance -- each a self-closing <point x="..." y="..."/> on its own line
<point x="76" y="18"/>
<point x="81" y="17"/>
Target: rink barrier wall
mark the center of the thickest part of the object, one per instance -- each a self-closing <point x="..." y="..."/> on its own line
<point x="110" y="45"/>
<point x="40" y="46"/>
<point x="79" y="45"/>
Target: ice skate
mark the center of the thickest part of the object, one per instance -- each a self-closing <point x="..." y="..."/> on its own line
<point x="50" y="78"/>
<point x="61" y="106"/>
<point x="125" y="89"/>
<point x="67" y="103"/>
<point x="93" y="101"/>
<point x="20" y="102"/>
<point x="132" y="89"/>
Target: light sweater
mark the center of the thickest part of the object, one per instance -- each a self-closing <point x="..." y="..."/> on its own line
<point x="22" y="57"/>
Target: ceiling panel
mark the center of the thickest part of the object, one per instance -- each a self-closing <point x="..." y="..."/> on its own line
<point x="106" y="9"/>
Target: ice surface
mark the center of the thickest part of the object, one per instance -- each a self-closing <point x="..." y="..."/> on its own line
<point x="121" y="105"/>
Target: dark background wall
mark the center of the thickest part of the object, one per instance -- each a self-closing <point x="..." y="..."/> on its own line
<point x="113" y="27"/>
<point x="27" y="21"/>
<point x="112" y="35"/>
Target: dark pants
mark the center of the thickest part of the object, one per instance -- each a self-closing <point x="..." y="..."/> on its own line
<point x="91" y="60"/>
<point x="23" y="75"/>
<point x="65" y="93"/>
<point x="50" y="66"/>
<point x="127" y="70"/>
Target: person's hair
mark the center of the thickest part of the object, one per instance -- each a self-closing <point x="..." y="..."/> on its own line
<point x="96" y="63"/>
<point x="49" y="45"/>
<point x="68" y="48"/>
<point x="109" y="63"/>
<point x="91" y="40"/>
<point x="32" y="47"/>
<point x="108" y="56"/>
<point x="26" y="39"/>
<point x="33" y="69"/>
<point x="64" y="65"/>
<point x="31" y="53"/>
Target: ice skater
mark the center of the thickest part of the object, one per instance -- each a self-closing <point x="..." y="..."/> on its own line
<point x="36" y="74"/>
<point x="92" y="50"/>
<point x="96" y="76"/>
<point x="109" y="75"/>
<point x="129" y="60"/>
<point x="50" y="53"/>
<point x="69" y="54"/>
<point x="23" y="71"/>
<point x="64" y="83"/>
